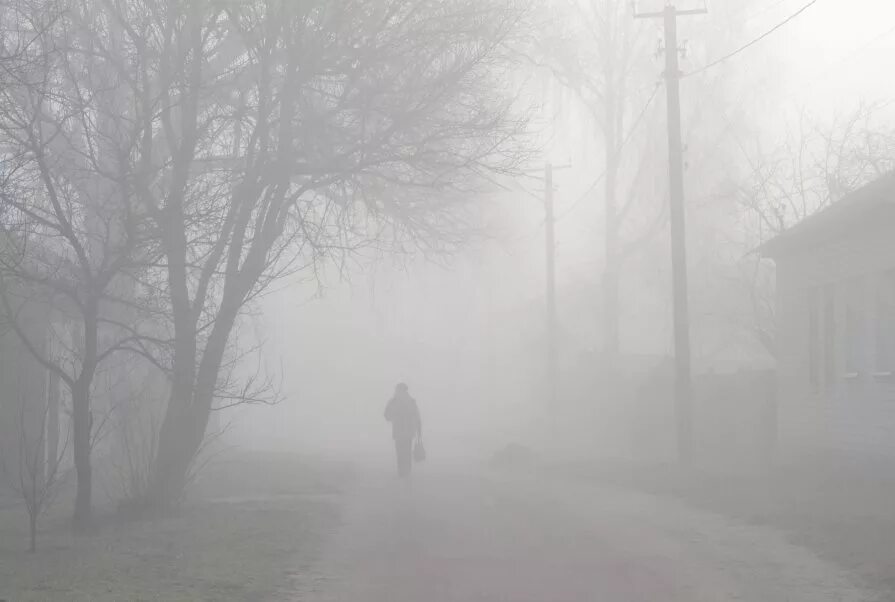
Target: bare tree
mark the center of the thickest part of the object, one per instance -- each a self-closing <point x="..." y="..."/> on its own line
<point x="69" y="228"/>
<point x="814" y="166"/>
<point x="273" y="136"/>
<point x="37" y="477"/>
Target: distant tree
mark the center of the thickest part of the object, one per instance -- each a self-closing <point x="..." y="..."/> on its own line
<point x="814" y="166"/>
<point x="600" y="54"/>
<point x="611" y="66"/>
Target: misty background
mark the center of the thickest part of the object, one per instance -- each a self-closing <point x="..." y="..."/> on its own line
<point x="467" y="332"/>
<point x="230" y="228"/>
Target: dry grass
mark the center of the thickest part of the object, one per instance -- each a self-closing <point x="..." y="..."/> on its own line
<point x="256" y="520"/>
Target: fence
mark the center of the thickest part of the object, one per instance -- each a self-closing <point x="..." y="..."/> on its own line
<point x="734" y="417"/>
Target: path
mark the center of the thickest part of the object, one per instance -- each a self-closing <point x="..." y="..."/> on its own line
<point x="465" y="538"/>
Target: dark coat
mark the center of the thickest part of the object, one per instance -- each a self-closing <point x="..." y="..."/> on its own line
<point x="404" y="415"/>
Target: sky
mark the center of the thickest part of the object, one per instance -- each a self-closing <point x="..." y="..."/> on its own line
<point x="832" y="53"/>
<point x="842" y="49"/>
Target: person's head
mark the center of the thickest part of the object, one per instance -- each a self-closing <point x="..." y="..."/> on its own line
<point x="401" y="389"/>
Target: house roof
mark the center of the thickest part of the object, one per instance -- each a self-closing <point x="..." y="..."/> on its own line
<point x="873" y="203"/>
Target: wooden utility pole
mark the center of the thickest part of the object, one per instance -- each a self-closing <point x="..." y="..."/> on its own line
<point x="550" y="238"/>
<point x="682" y="386"/>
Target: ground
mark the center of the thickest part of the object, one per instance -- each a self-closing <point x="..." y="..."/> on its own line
<point x="252" y="521"/>
<point x="291" y="529"/>
<point x="839" y="506"/>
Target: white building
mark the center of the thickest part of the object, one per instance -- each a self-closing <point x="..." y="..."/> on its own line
<point x="836" y="325"/>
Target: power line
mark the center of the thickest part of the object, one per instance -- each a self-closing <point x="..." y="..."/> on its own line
<point x="753" y="42"/>
<point x="847" y="58"/>
<point x="763" y="11"/>
<point x="596" y="181"/>
<point x="621" y="147"/>
<point x="867" y="45"/>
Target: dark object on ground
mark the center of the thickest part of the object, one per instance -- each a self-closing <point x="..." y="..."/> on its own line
<point x="513" y="455"/>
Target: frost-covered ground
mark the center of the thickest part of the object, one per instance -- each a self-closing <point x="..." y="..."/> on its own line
<point x="467" y="536"/>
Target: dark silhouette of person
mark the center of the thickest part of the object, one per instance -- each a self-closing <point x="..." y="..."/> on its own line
<point x="404" y="415"/>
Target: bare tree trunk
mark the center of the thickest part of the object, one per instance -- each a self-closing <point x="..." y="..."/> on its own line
<point x="81" y="447"/>
<point x="39" y="420"/>
<point x="32" y="531"/>
<point x="81" y="418"/>
<point x="53" y="418"/>
<point x="180" y="440"/>
<point x="186" y="420"/>
<point x="169" y="473"/>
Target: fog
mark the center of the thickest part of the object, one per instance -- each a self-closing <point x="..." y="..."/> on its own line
<point x="467" y="332"/>
<point x="448" y="300"/>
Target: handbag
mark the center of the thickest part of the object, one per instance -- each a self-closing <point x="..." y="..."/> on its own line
<point x="419" y="450"/>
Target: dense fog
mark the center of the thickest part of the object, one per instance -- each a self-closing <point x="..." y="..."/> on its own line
<point x="467" y="332"/>
<point x="447" y="300"/>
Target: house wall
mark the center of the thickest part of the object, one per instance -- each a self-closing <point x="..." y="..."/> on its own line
<point x="836" y="391"/>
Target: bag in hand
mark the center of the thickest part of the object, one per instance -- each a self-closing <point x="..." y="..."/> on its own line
<point x="419" y="451"/>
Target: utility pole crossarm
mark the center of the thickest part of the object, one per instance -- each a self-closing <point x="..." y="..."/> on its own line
<point x="672" y="9"/>
<point x="678" y="13"/>
<point x="553" y="167"/>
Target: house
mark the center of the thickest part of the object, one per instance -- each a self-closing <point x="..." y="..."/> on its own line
<point x="836" y="325"/>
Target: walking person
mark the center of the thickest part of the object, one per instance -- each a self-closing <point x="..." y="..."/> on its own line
<point x="407" y="425"/>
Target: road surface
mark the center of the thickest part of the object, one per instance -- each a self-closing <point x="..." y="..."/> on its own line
<point x="466" y="537"/>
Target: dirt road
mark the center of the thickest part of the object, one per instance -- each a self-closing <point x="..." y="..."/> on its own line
<point x="466" y="537"/>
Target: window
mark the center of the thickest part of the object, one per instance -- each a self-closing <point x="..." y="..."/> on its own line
<point x="830" y="337"/>
<point x="814" y="348"/>
<point x="884" y="324"/>
<point x="853" y="336"/>
<point x="855" y="328"/>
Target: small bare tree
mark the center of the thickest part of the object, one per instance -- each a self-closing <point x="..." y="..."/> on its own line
<point x="38" y="475"/>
